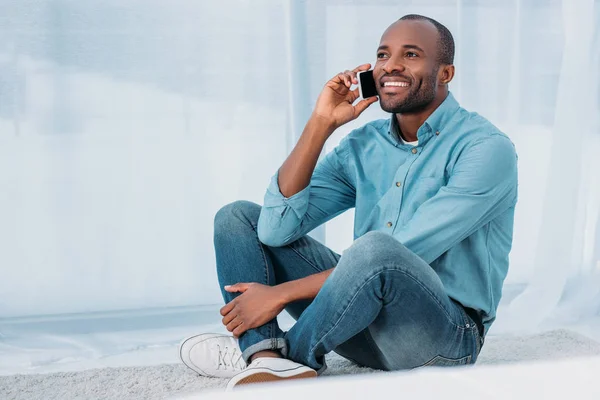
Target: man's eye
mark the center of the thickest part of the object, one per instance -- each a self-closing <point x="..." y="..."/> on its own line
<point x="411" y="54"/>
<point x="381" y="55"/>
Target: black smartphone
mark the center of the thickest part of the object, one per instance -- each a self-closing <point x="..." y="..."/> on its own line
<point x="366" y="84"/>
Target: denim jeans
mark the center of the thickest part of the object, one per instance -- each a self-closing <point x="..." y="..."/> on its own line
<point x="382" y="307"/>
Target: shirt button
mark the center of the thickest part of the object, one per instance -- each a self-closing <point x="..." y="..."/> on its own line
<point x="398" y="184"/>
<point x="414" y="150"/>
<point x="437" y="133"/>
<point x="389" y="224"/>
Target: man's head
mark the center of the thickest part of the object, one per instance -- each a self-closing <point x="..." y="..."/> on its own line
<point x="414" y="64"/>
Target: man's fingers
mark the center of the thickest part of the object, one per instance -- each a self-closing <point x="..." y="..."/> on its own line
<point x="345" y="79"/>
<point x="227" y="307"/>
<point x="238" y="287"/>
<point x="360" y="68"/>
<point x="229" y="317"/>
<point x="230" y="288"/>
<point x="234" y="324"/>
<point x="352" y="76"/>
<point x="237" y="332"/>
<point x="363" y="105"/>
<point x="353" y="95"/>
<point x="348" y="78"/>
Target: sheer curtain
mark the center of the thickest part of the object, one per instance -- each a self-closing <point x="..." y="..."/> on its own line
<point x="533" y="69"/>
<point x="124" y="126"/>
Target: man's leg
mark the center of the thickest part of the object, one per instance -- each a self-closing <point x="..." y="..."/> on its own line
<point x="241" y="257"/>
<point x="386" y="308"/>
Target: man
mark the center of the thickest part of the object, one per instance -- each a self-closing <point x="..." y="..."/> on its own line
<point x="434" y="190"/>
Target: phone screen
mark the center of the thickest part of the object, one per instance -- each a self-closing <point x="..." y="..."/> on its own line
<point x="367" y="84"/>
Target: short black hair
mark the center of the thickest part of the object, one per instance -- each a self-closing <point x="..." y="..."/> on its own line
<point x="445" y="40"/>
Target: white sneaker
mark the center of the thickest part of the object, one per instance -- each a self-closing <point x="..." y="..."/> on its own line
<point x="266" y="369"/>
<point x="213" y="355"/>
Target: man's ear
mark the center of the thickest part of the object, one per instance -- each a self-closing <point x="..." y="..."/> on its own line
<point x="446" y="74"/>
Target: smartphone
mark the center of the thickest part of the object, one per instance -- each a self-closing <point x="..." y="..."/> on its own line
<point x="366" y="84"/>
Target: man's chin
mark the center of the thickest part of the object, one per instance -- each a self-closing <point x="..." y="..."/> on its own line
<point x="391" y="106"/>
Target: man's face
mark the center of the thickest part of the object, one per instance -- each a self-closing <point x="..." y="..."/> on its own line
<point x="406" y="69"/>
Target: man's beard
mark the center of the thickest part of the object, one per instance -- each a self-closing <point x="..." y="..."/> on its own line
<point x="417" y="99"/>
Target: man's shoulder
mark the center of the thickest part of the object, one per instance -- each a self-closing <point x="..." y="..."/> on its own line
<point x="475" y="127"/>
<point x="477" y="133"/>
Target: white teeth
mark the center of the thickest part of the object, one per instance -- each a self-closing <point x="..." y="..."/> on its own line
<point x="400" y="84"/>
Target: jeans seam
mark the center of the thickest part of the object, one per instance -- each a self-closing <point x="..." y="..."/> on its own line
<point x="266" y="266"/>
<point x="316" y="268"/>
<point x="474" y="329"/>
<point x="343" y="313"/>
<point x="262" y="251"/>
<point x="375" y="275"/>
<point x="295" y="251"/>
<point x="305" y="259"/>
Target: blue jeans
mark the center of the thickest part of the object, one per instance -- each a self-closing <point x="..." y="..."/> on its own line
<point x="382" y="307"/>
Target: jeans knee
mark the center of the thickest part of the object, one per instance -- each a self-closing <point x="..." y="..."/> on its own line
<point x="372" y="247"/>
<point x="376" y="249"/>
<point x="234" y="214"/>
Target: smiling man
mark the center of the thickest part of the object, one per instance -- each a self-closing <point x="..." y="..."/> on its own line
<point x="434" y="190"/>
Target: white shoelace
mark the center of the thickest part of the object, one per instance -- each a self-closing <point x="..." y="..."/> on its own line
<point x="231" y="359"/>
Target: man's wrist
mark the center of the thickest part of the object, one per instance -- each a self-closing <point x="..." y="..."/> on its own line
<point x="321" y="125"/>
<point x="283" y="294"/>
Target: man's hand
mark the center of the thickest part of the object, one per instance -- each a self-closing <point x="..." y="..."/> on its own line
<point x="334" y="105"/>
<point x="257" y="305"/>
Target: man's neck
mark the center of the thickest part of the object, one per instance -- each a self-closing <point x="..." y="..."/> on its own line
<point x="409" y="123"/>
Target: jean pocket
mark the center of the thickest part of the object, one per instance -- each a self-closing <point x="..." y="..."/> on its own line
<point x="440" y="361"/>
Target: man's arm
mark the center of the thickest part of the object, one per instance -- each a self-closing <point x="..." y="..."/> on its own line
<point x="300" y="196"/>
<point x="305" y="288"/>
<point x="483" y="184"/>
<point x="295" y="173"/>
<point x="260" y="303"/>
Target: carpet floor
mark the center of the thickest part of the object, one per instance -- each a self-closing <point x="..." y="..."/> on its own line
<point x="175" y="380"/>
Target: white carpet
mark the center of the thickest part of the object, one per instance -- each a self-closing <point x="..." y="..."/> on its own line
<point x="175" y="380"/>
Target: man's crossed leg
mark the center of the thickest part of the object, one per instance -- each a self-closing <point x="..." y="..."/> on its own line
<point x="381" y="307"/>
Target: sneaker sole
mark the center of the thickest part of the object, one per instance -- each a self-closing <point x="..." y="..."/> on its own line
<point x="269" y="377"/>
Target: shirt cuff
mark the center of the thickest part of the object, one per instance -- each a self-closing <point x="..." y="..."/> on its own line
<point x="274" y="199"/>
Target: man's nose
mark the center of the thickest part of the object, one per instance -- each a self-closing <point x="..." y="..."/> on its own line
<point x="393" y="64"/>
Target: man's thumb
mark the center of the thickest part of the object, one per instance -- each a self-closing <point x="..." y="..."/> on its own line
<point x="238" y="287"/>
<point x="364" y="104"/>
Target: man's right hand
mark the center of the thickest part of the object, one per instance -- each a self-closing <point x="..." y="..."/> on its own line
<point x="334" y="106"/>
<point x="333" y="109"/>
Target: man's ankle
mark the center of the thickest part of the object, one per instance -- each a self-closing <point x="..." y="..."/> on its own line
<point x="266" y="354"/>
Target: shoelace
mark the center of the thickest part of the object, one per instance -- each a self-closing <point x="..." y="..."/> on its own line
<point x="227" y="359"/>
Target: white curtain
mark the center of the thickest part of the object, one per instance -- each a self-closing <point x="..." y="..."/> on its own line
<point x="125" y="125"/>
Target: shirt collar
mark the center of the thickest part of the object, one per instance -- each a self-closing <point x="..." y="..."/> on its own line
<point x="443" y="114"/>
<point x="435" y="123"/>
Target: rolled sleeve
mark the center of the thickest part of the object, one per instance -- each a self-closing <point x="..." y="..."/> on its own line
<point x="329" y="193"/>
<point x="276" y="201"/>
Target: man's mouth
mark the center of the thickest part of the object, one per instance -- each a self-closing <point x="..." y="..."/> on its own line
<point x="396" y="84"/>
<point x="394" y="87"/>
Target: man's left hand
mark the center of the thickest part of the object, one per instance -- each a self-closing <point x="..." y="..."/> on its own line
<point x="257" y="305"/>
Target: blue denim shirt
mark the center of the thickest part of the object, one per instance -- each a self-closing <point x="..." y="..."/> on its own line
<point x="450" y="199"/>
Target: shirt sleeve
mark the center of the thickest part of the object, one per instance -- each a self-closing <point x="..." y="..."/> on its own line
<point x="329" y="193"/>
<point x="482" y="185"/>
